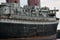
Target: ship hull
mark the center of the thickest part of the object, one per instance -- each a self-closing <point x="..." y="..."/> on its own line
<point x="20" y="30"/>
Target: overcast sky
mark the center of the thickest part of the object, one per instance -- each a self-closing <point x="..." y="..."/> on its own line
<point x="49" y="3"/>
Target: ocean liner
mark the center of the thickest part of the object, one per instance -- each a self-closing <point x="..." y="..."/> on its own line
<point x="30" y="22"/>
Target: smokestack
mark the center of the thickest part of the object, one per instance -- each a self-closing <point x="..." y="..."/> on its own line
<point x="34" y="2"/>
<point x="13" y="1"/>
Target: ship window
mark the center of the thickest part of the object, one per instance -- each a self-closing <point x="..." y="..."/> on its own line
<point x="32" y="7"/>
<point x="5" y="9"/>
<point x="35" y="4"/>
<point x="15" y="1"/>
<point x="51" y="15"/>
<point x="7" y="1"/>
<point x="26" y="11"/>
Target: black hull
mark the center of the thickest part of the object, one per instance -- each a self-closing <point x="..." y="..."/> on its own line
<point x="26" y="30"/>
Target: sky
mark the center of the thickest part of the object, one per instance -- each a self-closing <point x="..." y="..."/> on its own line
<point x="49" y="3"/>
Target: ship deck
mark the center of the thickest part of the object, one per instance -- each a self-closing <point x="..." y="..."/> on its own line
<point x="25" y="18"/>
<point x="22" y="39"/>
<point x="27" y="22"/>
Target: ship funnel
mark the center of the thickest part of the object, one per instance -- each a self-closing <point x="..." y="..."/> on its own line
<point x="13" y="1"/>
<point x="34" y="2"/>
